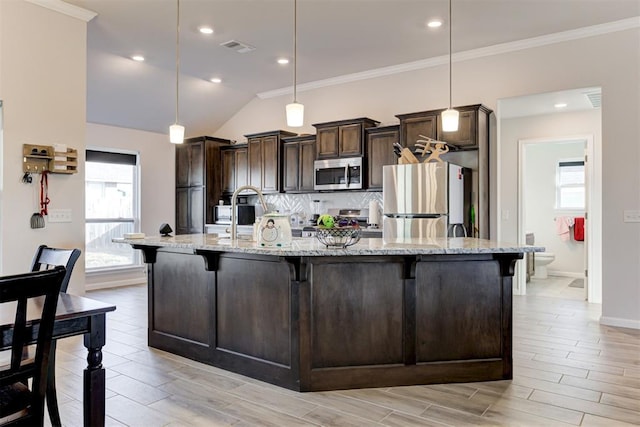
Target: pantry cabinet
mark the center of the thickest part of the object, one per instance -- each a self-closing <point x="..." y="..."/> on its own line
<point x="198" y="182"/>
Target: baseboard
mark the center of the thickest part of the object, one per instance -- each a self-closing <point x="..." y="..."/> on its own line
<point x="618" y="322"/>
<point x="116" y="284"/>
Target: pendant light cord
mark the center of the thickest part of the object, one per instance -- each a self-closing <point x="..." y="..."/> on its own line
<point x="177" y="57"/>
<point x="450" y="78"/>
<point x="295" y="49"/>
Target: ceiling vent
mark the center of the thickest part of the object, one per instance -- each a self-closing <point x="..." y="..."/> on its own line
<point x="595" y="98"/>
<point x="238" y="46"/>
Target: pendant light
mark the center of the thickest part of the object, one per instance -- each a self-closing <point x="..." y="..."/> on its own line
<point x="450" y="116"/>
<point x="295" y="110"/>
<point x="176" y="131"/>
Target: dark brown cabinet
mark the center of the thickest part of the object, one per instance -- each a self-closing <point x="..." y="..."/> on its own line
<point x="380" y="153"/>
<point x="198" y="182"/>
<point x="264" y="160"/>
<point x="472" y="127"/>
<point x="416" y="125"/>
<point x="235" y="168"/>
<point x="298" y="155"/>
<point x="344" y="138"/>
<point x="470" y="149"/>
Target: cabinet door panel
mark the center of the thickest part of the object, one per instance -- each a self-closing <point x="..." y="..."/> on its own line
<point x="182" y="210"/>
<point x="242" y="168"/>
<point x="270" y="163"/>
<point x="228" y="171"/>
<point x="196" y="213"/>
<point x="414" y="127"/>
<point x="380" y="153"/>
<point x="290" y="168"/>
<point x="196" y="164"/>
<point x="350" y="140"/>
<point x="255" y="163"/>
<point x="465" y="136"/>
<point x="307" y="157"/>
<point x="182" y="165"/>
<point x="327" y="142"/>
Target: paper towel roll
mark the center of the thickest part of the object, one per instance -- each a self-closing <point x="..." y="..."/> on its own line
<point x="374" y="213"/>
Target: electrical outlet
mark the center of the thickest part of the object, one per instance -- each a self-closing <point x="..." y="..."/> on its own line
<point x="59" y="215"/>
<point x="631" y="216"/>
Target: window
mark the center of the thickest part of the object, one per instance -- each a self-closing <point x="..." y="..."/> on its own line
<point x="111" y="205"/>
<point x="570" y="192"/>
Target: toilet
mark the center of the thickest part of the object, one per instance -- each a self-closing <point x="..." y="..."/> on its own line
<point x="541" y="261"/>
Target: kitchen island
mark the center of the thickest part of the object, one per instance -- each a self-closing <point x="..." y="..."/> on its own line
<point x="310" y="318"/>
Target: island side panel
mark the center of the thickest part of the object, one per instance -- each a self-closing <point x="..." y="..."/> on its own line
<point x="460" y="308"/>
<point x="255" y="318"/>
<point x="181" y="293"/>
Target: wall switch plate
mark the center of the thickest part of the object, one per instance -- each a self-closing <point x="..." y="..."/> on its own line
<point x="631" y="216"/>
<point x="59" y="215"/>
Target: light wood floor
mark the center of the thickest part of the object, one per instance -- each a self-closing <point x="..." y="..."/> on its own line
<point x="569" y="370"/>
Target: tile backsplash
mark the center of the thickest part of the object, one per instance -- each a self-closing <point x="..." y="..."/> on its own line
<point x="303" y="203"/>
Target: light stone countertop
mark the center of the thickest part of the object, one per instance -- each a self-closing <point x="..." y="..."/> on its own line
<point x="309" y="246"/>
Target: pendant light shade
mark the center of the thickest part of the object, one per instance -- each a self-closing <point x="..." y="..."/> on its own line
<point x="176" y="131"/>
<point x="176" y="134"/>
<point x="295" y="114"/>
<point x="450" y="120"/>
<point x="295" y="110"/>
<point x="450" y="116"/>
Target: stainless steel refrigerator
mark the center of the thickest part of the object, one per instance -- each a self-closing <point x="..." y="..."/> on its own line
<point x="425" y="200"/>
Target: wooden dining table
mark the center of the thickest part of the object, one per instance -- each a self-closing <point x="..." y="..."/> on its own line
<point x="75" y="315"/>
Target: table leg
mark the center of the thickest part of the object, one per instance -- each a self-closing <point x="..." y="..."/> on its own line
<point x="94" y="378"/>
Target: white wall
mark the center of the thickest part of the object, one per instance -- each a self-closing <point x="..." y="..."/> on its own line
<point x="157" y="170"/>
<point x="157" y="186"/>
<point x="611" y="61"/>
<point x="539" y="205"/>
<point x="43" y="89"/>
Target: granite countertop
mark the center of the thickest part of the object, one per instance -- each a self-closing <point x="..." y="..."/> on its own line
<point x="306" y="246"/>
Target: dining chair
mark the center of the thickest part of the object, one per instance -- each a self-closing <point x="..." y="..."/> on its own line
<point x="46" y="258"/>
<point x="21" y="404"/>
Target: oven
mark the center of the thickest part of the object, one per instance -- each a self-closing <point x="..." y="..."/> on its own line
<point x="338" y="174"/>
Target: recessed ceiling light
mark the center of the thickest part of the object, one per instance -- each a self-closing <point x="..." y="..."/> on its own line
<point x="216" y="80"/>
<point x="138" y="58"/>
<point x="283" y="61"/>
<point x="206" y="30"/>
<point x="560" y="105"/>
<point x="434" y="23"/>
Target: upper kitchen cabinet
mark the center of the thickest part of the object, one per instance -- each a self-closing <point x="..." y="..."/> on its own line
<point x="380" y="153"/>
<point x="298" y="155"/>
<point x="264" y="159"/>
<point x="473" y="127"/>
<point x="235" y="168"/>
<point x="472" y="130"/>
<point x="414" y="126"/>
<point x="344" y="138"/>
<point x="198" y="182"/>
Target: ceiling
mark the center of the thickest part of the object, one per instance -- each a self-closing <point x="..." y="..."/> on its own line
<point x="335" y="38"/>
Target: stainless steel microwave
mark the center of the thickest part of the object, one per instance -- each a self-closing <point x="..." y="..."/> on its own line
<point x="338" y="174"/>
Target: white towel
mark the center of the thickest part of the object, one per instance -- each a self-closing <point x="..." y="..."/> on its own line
<point x="563" y="225"/>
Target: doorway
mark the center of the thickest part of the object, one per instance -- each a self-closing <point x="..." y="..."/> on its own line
<point x="552" y="208"/>
<point x="533" y="122"/>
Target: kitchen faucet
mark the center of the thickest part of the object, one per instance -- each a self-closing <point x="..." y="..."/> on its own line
<point x="234" y="197"/>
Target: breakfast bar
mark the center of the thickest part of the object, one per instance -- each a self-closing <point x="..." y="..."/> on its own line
<point x="312" y="318"/>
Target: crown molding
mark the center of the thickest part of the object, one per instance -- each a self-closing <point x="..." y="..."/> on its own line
<point x="579" y="33"/>
<point x="65" y="8"/>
